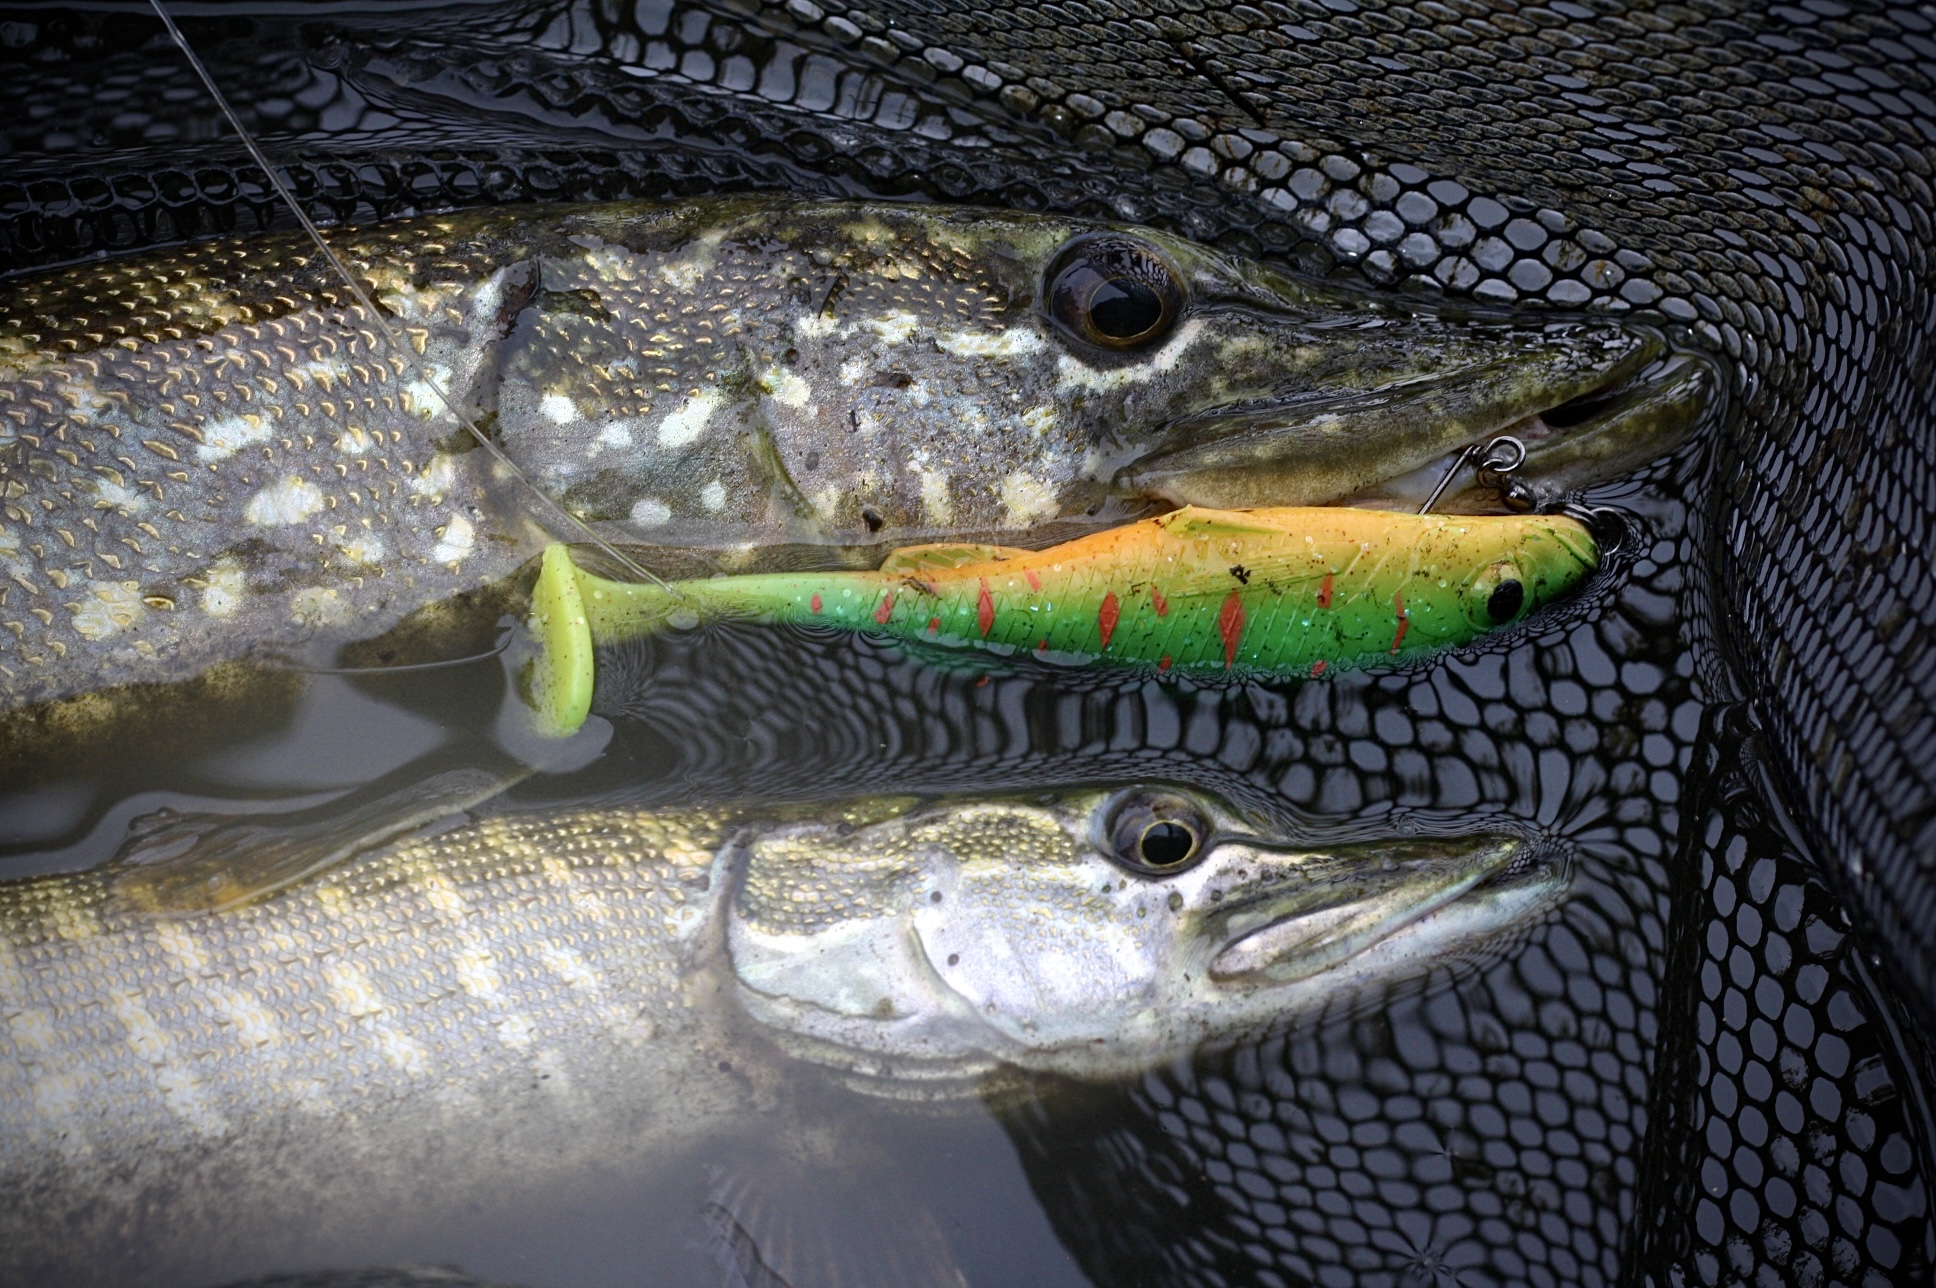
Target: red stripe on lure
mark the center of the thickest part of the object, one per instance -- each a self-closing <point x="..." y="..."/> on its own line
<point x="1324" y="592"/>
<point x="886" y="610"/>
<point x="985" y="610"/>
<point x="1230" y="626"/>
<point x="1107" y="616"/>
<point x="1404" y="623"/>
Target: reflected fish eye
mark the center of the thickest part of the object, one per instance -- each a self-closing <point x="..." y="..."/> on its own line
<point x="1113" y="292"/>
<point x="1155" y="835"/>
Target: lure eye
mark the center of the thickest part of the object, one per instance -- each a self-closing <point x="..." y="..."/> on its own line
<point x="1156" y="836"/>
<point x="1506" y="600"/>
<point x="1496" y="597"/>
<point x="1113" y="292"/>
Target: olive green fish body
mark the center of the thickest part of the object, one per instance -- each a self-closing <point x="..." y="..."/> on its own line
<point x="1283" y="592"/>
<point x="212" y="450"/>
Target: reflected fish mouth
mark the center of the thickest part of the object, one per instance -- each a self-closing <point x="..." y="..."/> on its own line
<point x="1322" y="915"/>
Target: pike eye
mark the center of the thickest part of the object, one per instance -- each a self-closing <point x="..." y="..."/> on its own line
<point x="1156" y="835"/>
<point x="1113" y="292"/>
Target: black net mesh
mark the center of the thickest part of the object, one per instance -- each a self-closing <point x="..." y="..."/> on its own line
<point x="1696" y="1072"/>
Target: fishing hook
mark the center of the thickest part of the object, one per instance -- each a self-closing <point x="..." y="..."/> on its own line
<point x="1610" y="527"/>
<point x="382" y="323"/>
<point x="1502" y="456"/>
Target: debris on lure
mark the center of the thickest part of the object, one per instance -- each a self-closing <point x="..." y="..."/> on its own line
<point x="1288" y="592"/>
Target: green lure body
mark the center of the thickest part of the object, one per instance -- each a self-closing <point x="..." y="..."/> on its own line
<point x="1277" y="593"/>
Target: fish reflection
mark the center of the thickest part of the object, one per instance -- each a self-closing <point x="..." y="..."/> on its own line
<point x="521" y="1002"/>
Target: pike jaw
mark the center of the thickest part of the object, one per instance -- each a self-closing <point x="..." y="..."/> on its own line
<point x="1088" y="934"/>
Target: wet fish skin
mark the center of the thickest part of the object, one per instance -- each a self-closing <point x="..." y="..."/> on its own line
<point x="525" y="1000"/>
<point x="211" y="450"/>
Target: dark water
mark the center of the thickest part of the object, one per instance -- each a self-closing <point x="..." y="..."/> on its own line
<point x="1689" y="1032"/>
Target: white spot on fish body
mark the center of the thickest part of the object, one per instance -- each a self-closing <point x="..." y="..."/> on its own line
<point x="814" y="326"/>
<point x="107" y="609"/>
<point x="786" y="388"/>
<point x="288" y="500"/>
<point x="515" y="1032"/>
<point x="364" y="547"/>
<point x="651" y="512"/>
<point x="223" y="438"/>
<point x="1077" y="374"/>
<point x="1009" y="342"/>
<point x="1027" y="499"/>
<point x="893" y="328"/>
<point x="558" y="409"/>
<point x="254" y="1025"/>
<point x="175" y="940"/>
<point x="477" y="973"/>
<point x="403" y="1053"/>
<point x="617" y="434"/>
<point x="428" y="391"/>
<point x="855" y="371"/>
<point x="937" y="497"/>
<point x="687" y="421"/>
<point x="318" y="606"/>
<point x="1039" y="420"/>
<point x="122" y="498"/>
<point x="569" y="967"/>
<point x="226" y="585"/>
<point x="684" y="274"/>
<point x="179" y="1089"/>
<point x="713" y="496"/>
<point x="351" y="989"/>
<point x="436" y="478"/>
<point x="456" y="543"/>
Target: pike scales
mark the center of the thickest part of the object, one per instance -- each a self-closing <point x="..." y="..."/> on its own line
<point x="215" y="449"/>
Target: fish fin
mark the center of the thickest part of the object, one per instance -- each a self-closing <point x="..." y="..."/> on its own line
<point x="177" y="864"/>
<point x="944" y="556"/>
<point x="786" y="1224"/>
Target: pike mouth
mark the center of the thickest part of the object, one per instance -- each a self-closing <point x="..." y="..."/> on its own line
<point x="1615" y="402"/>
<point x="1320" y="916"/>
<point x="1599" y="435"/>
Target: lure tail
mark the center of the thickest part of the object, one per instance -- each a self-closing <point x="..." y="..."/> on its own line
<point x="570" y="611"/>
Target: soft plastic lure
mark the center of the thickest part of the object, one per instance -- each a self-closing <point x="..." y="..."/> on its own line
<point x="1298" y="591"/>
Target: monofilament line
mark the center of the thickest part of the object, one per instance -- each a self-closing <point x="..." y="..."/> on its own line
<point x="382" y="323"/>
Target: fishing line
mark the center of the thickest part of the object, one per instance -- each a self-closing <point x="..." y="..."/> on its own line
<point x="382" y="322"/>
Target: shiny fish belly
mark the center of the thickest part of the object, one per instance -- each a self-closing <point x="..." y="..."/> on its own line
<point x="211" y="450"/>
